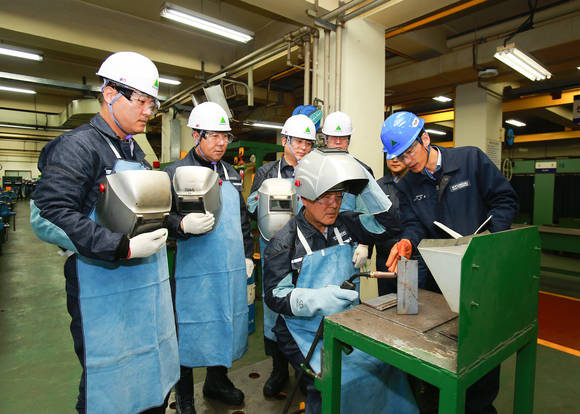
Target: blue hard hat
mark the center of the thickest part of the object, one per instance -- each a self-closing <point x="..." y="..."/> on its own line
<point x="399" y="131"/>
<point x="311" y="112"/>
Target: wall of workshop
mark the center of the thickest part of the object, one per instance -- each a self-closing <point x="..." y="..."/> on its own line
<point x="539" y="150"/>
<point x="20" y="155"/>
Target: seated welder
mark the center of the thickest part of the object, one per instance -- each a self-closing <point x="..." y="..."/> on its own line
<point x="306" y="262"/>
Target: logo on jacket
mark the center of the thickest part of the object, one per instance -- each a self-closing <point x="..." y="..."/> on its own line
<point x="459" y="186"/>
<point x="420" y="197"/>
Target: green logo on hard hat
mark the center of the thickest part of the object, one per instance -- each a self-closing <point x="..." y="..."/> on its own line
<point x="307" y="129"/>
<point x="338" y="128"/>
<point x="222" y="121"/>
<point x="393" y="143"/>
<point x="156" y="84"/>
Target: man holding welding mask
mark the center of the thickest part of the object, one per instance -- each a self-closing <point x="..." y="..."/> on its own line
<point x="306" y="262"/>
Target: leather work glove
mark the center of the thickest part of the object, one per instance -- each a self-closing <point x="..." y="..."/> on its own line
<point x="325" y="301"/>
<point x="360" y="256"/>
<point x="402" y="248"/>
<point x="249" y="268"/>
<point x="197" y="223"/>
<point x="146" y="244"/>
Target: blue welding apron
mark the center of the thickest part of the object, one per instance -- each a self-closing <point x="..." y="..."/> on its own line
<point x="211" y="296"/>
<point x="269" y="315"/>
<point x="131" y="357"/>
<point x="367" y="383"/>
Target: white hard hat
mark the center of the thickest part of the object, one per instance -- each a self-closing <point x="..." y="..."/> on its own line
<point x="209" y="116"/>
<point x="133" y="70"/>
<point x="299" y="126"/>
<point x="337" y="124"/>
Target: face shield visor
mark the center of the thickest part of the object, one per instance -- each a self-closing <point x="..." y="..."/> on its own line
<point x="197" y="190"/>
<point x="276" y="205"/>
<point x="134" y="201"/>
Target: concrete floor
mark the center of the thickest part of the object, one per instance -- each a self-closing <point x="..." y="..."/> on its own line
<point x="39" y="371"/>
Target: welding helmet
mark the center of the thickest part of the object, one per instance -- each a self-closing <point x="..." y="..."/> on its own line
<point x="133" y="70"/>
<point x="325" y="169"/>
<point x="299" y="126"/>
<point x="337" y="124"/>
<point x="134" y="201"/>
<point x="209" y="116"/>
<point x="197" y="190"/>
<point x="399" y="131"/>
<point x="276" y="205"/>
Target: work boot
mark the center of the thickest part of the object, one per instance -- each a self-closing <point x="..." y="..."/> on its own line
<point x="278" y="377"/>
<point x="218" y="386"/>
<point x="184" y="392"/>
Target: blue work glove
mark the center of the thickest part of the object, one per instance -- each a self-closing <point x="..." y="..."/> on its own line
<point x="324" y="301"/>
<point x="252" y="202"/>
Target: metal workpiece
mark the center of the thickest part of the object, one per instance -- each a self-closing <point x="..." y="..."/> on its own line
<point x="407" y="287"/>
<point x="134" y="202"/>
<point x="197" y="190"/>
<point x="277" y="203"/>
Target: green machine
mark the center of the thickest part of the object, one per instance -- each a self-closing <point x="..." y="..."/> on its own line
<point x="491" y="281"/>
<point x="564" y="236"/>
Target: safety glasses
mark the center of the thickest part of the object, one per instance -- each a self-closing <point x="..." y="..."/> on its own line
<point x="216" y="137"/>
<point x="141" y="100"/>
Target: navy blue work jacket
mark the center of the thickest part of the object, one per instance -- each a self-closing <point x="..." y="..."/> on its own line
<point x="467" y="189"/>
<point x="71" y="165"/>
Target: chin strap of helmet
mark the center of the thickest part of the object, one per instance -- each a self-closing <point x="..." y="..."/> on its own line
<point x="428" y="149"/>
<point x="110" y="106"/>
<point x="289" y="143"/>
<point x="200" y="151"/>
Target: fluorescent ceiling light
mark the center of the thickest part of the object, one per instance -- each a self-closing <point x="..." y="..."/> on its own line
<point x="264" y="125"/>
<point x="20" y="54"/>
<point x="442" y="99"/>
<point x="519" y="61"/>
<point x="435" y="132"/>
<point x="17" y="90"/>
<point x="169" y="81"/>
<point x="515" y="122"/>
<point x="206" y="23"/>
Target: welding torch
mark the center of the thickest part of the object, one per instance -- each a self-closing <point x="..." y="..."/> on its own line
<point x="349" y="284"/>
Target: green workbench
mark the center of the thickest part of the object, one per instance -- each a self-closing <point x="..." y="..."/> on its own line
<point x="497" y="318"/>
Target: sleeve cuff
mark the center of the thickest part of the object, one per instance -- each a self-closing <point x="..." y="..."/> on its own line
<point x="122" y="248"/>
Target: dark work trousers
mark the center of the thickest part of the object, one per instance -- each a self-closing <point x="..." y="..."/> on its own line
<point x="290" y="349"/>
<point x="76" y="329"/>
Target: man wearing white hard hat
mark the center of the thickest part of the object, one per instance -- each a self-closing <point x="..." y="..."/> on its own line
<point x="212" y="265"/>
<point x="116" y="285"/>
<point x="337" y="130"/>
<point x="298" y="138"/>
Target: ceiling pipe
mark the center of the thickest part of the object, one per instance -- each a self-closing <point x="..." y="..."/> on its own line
<point x="338" y="65"/>
<point x="364" y="9"/>
<point x="432" y="18"/>
<point x="326" y="72"/>
<point x="315" y="37"/>
<point x="505" y="27"/>
<point x="241" y="64"/>
<point x="342" y="9"/>
<point x="307" y="70"/>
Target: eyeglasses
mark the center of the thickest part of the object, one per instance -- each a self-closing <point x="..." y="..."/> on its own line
<point x="219" y="137"/>
<point x="297" y="142"/>
<point x="409" y="153"/>
<point x="142" y="101"/>
<point x="329" y="198"/>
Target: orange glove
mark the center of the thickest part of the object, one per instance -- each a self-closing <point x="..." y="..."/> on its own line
<point x="402" y="248"/>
